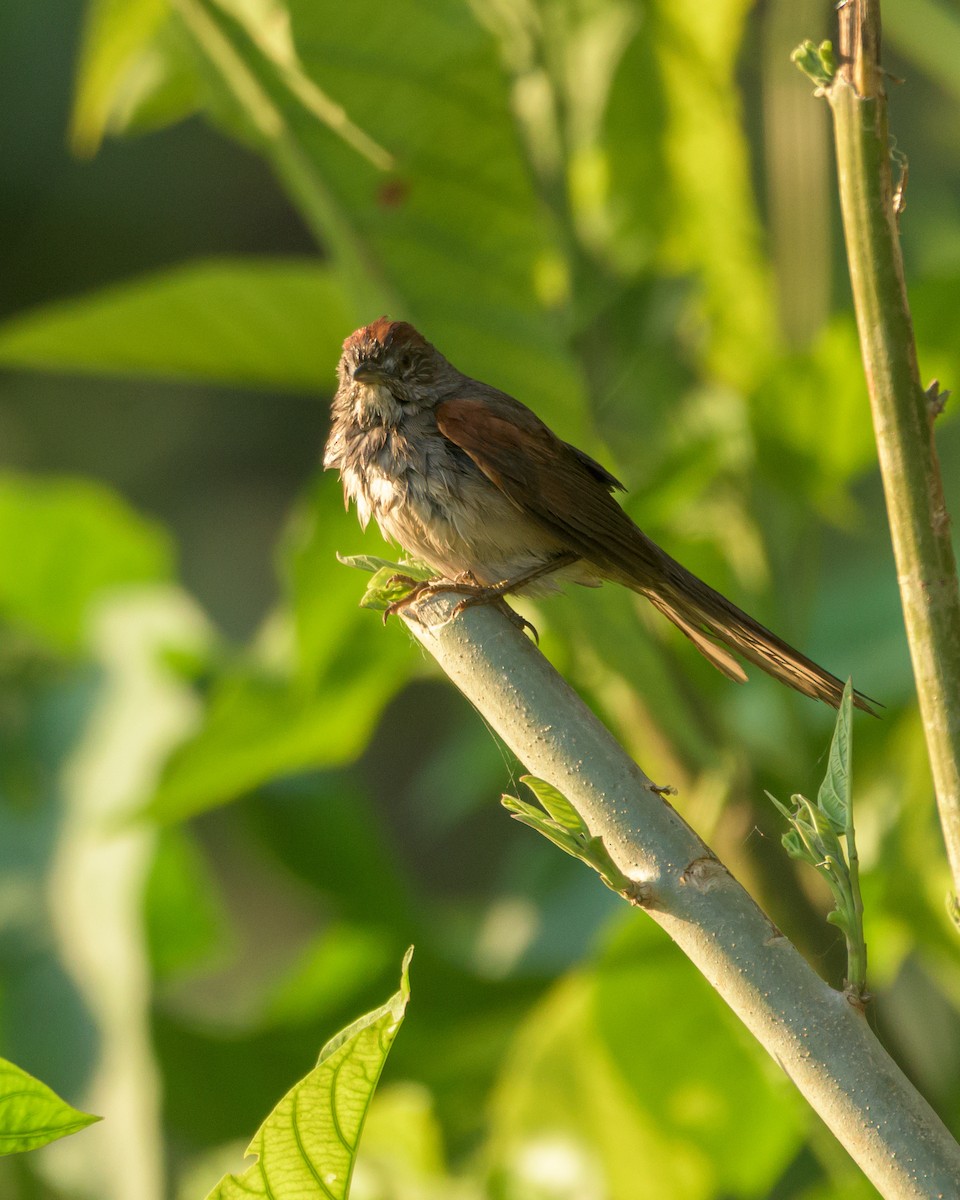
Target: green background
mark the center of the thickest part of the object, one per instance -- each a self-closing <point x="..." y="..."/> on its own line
<point x="229" y="799"/>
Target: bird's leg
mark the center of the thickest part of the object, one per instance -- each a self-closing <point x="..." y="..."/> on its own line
<point x="491" y="593"/>
<point x="479" y="593"/>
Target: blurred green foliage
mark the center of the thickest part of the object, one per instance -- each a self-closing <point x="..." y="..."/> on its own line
<point x="228" y="797"/>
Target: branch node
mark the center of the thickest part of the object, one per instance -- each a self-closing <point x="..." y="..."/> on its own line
<point x="639" y="893"/>
<point x="706" y="873"/>
<point x="936" y="399"/>
<point x="856" y="997"/>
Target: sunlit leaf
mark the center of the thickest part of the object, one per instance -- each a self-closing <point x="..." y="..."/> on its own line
<point x="560" y="822"/>
<point x="715" y="228"/>
<point x="834" y="795"/>
<point x="459" y="191"/>
<point x="32" y="1115"/>
<point x="535" y="819"/>
<point x="258" y="727"/>
<point x="268" y="323"/>
<point x="618" y="1077"/>
<point x="127" y="64"/>
<point x="373" y="564"/>
<point x="556" y="804"/>
<point x="307" y="1146"/>
<point x="316" y="708"/>
<point x="386" y="588"/>
<point x="68" y="542"/>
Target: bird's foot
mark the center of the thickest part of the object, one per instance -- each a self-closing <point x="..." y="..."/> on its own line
<point x="466" y="586"/>
<point x="494" y="594"/>
<point x="418" y="588"/>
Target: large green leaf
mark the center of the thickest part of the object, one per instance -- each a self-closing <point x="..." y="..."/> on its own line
<point x="812" y="416"/>
<point x="270" y="323"/>
<point x="457" y="231"/>
<point x="260" y="726"/>
<point x="64" y="543"/>
<point x="626" y="1083"/>
<point x="317" y="707"/>
<point x="306" y="1148"/>
<point x="139" y="68"/>
<point x="697" y="1073"/>
<point x="32" y="1115"/>
<point x="453" y="235"/>
<point x="715" y="231"/>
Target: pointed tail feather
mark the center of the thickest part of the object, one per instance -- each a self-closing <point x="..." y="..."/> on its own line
<point x="707" y="617"/>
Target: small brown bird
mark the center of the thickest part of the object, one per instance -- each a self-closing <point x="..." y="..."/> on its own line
<point x="472" y="482"/>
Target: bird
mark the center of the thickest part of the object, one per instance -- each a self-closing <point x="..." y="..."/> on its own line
<point x="473" y="483"/>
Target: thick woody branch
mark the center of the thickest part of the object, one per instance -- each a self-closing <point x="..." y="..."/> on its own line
<point x="820" y="1039"/>
<point x="903" y="413"/>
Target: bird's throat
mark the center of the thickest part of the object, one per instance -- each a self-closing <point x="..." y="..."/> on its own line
<point x="374" y="405"/>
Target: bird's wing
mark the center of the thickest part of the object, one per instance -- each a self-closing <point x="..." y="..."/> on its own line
<point x="560" y="487"/>
<point x="567" y="493"/>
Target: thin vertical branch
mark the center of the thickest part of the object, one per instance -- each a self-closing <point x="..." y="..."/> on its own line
<point x="903" y="413"/>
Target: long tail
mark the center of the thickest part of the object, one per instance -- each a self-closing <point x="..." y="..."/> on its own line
<point x="704" y="614"/>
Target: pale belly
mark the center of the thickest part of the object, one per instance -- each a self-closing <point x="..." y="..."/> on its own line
<point x="458" y="522"/>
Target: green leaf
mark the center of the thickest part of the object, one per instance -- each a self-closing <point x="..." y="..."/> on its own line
<point x="127" y="66"/>
<point x="534" y="819"/>
<point x="266" y="323"/>
<point x="816" y="62"/>
<point x="315" y="708"/>
<point x="565" y="827"/>
<point x="307" y="1146"/>
<point x="66" y="543"/>
<point x="372" y="563"/>
<point x="459" y="204"/>
<point x="610" y="1073"/>
<point x="793" y="845"/>
<point x="139" y="68"/>
<point x="557" y="805"/>
<point x="32" y="1115"/>
<point x="260" y="726"/>
<point x="833" y="798"/>
<point x="385" y="588"/>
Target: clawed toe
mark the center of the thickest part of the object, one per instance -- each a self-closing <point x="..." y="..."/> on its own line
<point x="417" y="589"/>
<point x="494" y="596"/>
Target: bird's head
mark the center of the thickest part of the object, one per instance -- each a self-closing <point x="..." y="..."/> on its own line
<point x="392" y="357"/>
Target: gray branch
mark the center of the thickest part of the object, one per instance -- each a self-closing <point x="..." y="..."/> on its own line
<point x="816" y="1034"/>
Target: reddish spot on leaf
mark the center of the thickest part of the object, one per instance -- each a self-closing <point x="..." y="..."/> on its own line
<point x="392" y="192"/>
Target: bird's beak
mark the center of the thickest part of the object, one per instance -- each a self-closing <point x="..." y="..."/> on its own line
<point x="369" y="372"/>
